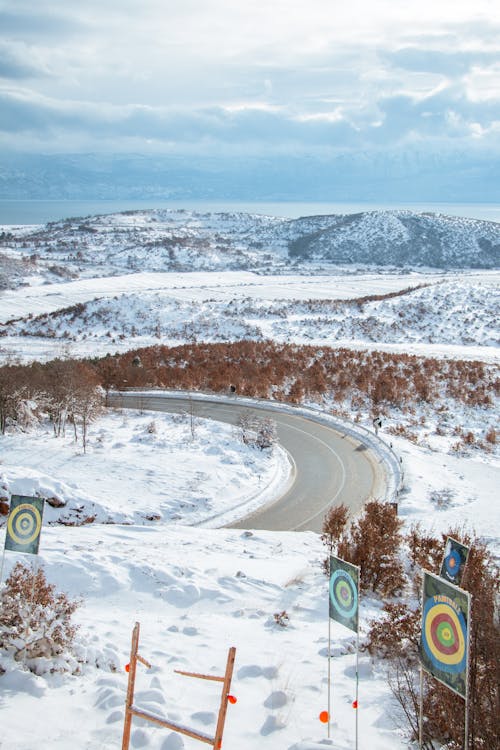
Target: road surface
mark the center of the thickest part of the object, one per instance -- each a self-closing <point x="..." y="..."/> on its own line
<point x="329" y="467"/>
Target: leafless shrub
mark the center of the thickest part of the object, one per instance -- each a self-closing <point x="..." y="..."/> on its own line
<point x="442" y="499"/>
<point x="255" y="431"/>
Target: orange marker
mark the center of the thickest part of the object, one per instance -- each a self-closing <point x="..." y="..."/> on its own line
<point x="355" y="704"/>
<point x="127" y="667"/>
<point x="324" y="717"/>
<point x="232" y="699"/>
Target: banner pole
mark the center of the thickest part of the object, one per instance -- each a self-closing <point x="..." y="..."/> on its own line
<point x="329" y="671"/>
<point x="357" y="685"/>
<point x="467" y="680"/>
<point x="421" y="710"/>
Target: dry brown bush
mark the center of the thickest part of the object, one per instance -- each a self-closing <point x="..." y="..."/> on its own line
<point x="396" y="636"/>
<point x="376" y="381"/>
<point x="491" y="436"/>
<point x="35" y="620"/>
<point x="333" y="528"/>
<point x="371" y="541"/>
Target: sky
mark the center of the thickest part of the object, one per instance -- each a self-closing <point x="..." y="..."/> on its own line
<point x="208" y="77"/>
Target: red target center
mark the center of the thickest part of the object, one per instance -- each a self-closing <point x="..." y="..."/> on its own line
<point x="442" y="648"/>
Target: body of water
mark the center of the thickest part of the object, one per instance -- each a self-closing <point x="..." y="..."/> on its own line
<point x="42" y="211"/>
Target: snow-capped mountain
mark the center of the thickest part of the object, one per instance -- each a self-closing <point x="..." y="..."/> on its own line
<point x="404" y="173"/>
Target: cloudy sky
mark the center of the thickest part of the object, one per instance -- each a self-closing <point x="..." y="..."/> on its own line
<point x="252" y="76"/>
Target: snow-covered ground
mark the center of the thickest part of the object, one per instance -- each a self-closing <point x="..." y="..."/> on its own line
<point x="197" y="591"/>
<point x="452" y="315"/>
<point x="128" y="471"/>
<point x="150" y="484"/>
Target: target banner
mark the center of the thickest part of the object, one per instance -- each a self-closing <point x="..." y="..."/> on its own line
<point x="454" y="559"/>
<point x="344" y="593"/>
<point x="24" y="524"/>
<point x="444" y="640"/>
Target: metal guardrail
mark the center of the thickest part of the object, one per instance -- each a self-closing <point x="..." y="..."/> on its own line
<point x="392" y="463"/>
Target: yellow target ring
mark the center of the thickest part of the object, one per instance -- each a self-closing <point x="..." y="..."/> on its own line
<point x="452" y="631"/>
<point x="24" y="523"/>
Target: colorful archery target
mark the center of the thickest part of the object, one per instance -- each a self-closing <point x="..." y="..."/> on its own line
<point x="444" y="640"/>
<point x="24" y="524"/>
<point x="444" y="636"/>
<point x="454" y="559"/>
<point x="343" y="589"/>
<point x="343" y="593"/>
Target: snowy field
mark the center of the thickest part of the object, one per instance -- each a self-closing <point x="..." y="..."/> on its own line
<point x="150" y="484"/>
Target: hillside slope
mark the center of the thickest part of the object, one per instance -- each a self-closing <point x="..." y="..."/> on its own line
<point x="398" y="238"/>
<point x="458" y="312"/>
<point x="177" y="240"/>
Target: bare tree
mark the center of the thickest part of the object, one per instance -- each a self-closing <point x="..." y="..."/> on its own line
<point x="256" y="431"/>
<point x="88" y="401"/>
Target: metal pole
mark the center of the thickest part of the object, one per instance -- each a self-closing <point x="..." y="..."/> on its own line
<point x="466" y="729"/>
<point x="32" y="608"/>
<point x="329" y="670"/>
<point x="357" y="685"/>
<point x="3" y="563"/>
<point x="467" y="680"/>
<point x="421" y="710"/>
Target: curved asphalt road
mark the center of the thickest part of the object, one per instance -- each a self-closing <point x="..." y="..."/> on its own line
<point x="329" y="467"/>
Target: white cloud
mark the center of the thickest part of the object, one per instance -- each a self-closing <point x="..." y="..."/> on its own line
<point x="483" y="84"/>
<point x="217" y="71"/>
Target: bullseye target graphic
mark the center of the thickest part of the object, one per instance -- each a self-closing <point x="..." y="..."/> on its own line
<point x="344" y="602"/>
<point x="444" y="636"/>
<point x="343" y="593"/>
<point x="24" y="524"/>
<point x="454" y="560"/>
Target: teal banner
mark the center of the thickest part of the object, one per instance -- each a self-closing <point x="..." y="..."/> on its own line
<point x="344" y="593"/>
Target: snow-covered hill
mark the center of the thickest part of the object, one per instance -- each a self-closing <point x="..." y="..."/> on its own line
<point x="399" y="238"/>
<point x="176" y="240"/>
<point x="460" y="312"/>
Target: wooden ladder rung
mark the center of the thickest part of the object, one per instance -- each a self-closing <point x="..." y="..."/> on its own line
<point x="141" y="714"/>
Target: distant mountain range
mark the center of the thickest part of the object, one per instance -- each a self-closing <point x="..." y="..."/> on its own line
<point x="404" y="175"/>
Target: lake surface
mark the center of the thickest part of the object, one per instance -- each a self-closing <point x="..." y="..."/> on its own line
<point x="41" y="211"/>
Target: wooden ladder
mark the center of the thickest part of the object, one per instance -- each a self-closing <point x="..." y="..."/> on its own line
<point x="131" y="710"/>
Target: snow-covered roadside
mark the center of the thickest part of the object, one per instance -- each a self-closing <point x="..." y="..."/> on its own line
<point x="144" y="468"/>
<point x="447" y="491"/>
